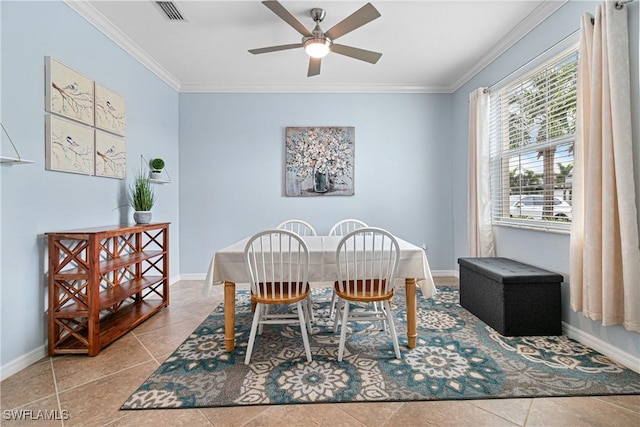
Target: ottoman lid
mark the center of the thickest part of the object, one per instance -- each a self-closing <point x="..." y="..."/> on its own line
<point x="506" y="270"/>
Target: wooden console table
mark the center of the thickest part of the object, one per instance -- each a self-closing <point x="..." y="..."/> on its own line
<point x="103" y="282"/>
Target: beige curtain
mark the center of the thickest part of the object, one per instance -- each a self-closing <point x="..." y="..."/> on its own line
<point x="479" y="194"/>
<point x="605" y="258"/>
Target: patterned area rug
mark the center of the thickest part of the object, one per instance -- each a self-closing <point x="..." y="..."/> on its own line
<point x="457" y="357"/>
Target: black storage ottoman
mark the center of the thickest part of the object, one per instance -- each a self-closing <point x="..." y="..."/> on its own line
<point x="513" y="298"/>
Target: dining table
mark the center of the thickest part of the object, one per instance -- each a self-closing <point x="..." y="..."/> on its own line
<point x="227" y="267"/>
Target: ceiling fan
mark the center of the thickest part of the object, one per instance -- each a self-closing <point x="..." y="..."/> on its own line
<point x="318" y="43"/>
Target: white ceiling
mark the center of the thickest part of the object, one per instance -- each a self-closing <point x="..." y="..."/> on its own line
<point x="427" y="46"/>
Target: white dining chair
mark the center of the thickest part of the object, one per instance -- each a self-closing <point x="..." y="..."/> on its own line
<point x="301" y="228"/>
<point x="341" y="228"/>
<point x="278" y="265"/>
<point x="345" y="226"/>
<point x="298" y="226"/>
<point x="367" y="261"/>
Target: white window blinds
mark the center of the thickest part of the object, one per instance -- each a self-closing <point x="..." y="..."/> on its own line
<point x="532" y="132"/>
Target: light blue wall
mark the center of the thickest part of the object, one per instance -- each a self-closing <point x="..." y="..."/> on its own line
<point x="232" y="168"/>
<point x="35" y="201"/>
<point x="228" y="169"/>
<point x="551" y="250"/>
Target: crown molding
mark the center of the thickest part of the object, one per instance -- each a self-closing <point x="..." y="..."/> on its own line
<point x="98" y="20"/>
<point x="303" y="88"/>
<point x="524" y="27"/>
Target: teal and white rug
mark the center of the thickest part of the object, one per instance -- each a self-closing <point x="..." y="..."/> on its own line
<point x="457" y="357"/>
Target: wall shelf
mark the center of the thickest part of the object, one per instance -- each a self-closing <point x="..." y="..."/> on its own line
<point x="12" y="160"/>
<point x="159" y="181"/>
<point x="164" y="172"/>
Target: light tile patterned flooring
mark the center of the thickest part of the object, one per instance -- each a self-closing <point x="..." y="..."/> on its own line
<point x="91" y="390"/>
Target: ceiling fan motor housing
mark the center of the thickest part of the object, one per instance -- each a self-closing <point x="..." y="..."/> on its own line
<point x="318" y="14"/>
<point x="318" y="37"/>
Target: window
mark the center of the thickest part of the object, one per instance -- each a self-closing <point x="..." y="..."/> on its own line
<point x="532" y="134"/>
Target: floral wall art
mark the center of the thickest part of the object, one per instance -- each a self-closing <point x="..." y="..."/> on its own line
<point x="71" y="145"/>
<point x="319" y="161"/>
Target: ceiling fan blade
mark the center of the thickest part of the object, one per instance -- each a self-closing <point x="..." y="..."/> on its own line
<point x="357" y="19"/>
<point x="354" y="52"/>
<point x="275" y="48"/>
<point x="287" y="17"/>
<point x="314" y="66"/>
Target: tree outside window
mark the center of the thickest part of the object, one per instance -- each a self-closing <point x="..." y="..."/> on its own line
<point x="532" y="136"/>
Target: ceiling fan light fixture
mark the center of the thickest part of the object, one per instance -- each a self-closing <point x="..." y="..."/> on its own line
<point x="317" y="47"/>
<point x="317" y="44"/>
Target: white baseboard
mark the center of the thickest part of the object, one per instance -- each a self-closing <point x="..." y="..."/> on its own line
<point x="193" y="276"/>
<point x="175" y="279"/>
<point x="445" y="273"/>
<point x="622" y="357"/>
<point x="22" y="362"/>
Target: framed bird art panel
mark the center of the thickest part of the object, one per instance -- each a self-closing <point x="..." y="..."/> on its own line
<point x="110" y="111"/>
<point x="111" y="156"/>
<point x="90" y="142"/>
<point x="69" y="146"/>
<point x="68" y="93"/>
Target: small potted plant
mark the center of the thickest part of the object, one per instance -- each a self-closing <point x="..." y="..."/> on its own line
<point x="141" y="198"/>
<point x="156" y="165"/>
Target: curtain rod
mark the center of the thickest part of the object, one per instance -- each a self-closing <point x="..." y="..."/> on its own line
<point x="488" y="89"/>
<point x="620" y="4"/>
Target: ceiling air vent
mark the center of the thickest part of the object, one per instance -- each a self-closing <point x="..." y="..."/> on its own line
<point x="170" y="9"/>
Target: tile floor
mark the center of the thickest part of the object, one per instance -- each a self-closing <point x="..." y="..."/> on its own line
<point x="91" y="390"/>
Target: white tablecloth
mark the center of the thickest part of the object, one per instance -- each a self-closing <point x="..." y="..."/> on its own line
<point x="227" y="264"/>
